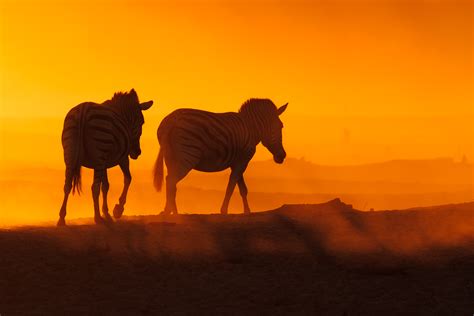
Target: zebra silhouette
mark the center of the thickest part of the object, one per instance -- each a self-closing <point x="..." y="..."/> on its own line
<point x="205" y="141"/>
<point x="101" y="136"/>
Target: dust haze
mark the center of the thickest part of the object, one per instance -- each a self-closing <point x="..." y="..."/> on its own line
<point x="318" y="259"/>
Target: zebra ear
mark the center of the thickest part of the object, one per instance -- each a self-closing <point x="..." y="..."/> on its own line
<point x="146" y="105"/>
<point x="282" y="109"/>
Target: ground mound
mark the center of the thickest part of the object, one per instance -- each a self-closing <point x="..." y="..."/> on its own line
<point x="298" y="259"/>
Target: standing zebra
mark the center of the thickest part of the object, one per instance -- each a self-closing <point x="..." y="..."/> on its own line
<point x="101" y="136"/>
<point x="210" y="142"/>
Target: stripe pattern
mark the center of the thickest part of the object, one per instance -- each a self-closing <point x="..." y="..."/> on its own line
<point x="207" y="141"/>
<point x="100" y="136"/>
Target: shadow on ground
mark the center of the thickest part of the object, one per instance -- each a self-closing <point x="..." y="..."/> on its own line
<point x="323" y="259"/>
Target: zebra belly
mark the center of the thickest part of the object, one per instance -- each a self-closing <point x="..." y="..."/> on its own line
<point x="197" y="156"/>
<point x="211" y="166"/>
<point x="102" y="156"/>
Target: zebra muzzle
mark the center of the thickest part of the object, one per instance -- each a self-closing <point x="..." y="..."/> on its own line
<point x="134" y="155"/>
<point x="280" y="157"/>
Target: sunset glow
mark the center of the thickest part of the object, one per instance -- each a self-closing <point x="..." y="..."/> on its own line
<point x="342" y="183"/>
<point x="366" y="81"/>
<point x="385" y="79"/>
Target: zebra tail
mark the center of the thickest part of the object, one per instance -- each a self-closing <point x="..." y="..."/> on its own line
<point x="76" y="180"/>
<point x="158" y="171"/>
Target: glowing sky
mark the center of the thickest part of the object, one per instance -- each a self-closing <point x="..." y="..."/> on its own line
<point x="365" y="80"/>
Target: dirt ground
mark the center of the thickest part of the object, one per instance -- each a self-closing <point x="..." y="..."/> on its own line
<point x="321" y="259"/>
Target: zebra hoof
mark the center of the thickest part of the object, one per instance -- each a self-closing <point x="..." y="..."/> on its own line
<point x="61" y="222"/>
<point x="108" y="218"/>
<point x="118" y="211"/>
<point x="99" y="220"/>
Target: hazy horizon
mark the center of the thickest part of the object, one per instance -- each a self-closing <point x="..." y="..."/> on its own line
<point x="32" y="195"/>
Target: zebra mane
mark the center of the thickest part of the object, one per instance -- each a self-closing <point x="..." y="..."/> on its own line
<point x="257" y="104"/>
<point x="125" y="98"/>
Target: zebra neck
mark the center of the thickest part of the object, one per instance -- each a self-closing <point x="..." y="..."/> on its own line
<point x="120" y="112"/>
<point x="254" y="127"/>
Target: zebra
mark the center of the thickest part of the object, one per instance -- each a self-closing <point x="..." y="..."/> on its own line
<point x="210" y="142"/>
<point x="101" y="136"/>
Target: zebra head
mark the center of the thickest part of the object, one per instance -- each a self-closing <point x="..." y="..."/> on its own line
<point x="134" y="118"/>
<point x="272" y="135"/>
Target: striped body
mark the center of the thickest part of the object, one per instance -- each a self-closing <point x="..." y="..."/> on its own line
<point x="96" y="136"/>
<point x="101" y="136"/>
<point x="205" y="141"/>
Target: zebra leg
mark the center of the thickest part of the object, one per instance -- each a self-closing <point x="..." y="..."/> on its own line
<point x="170" y="206"/>
<point x="175" y="174"/>
<point x="105" y="190"/>
<point x="243" y="193"/>
<point x="127" y="179"/>
<point x="67" y="190"/>
<point x="234" y="177"/>
<point x="98" y="177"/>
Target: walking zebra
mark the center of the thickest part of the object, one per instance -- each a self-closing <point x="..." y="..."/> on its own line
<point x="101" y="136"/>
<point x="205" y="141"/>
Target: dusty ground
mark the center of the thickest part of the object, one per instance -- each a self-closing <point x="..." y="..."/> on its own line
<point x="324" y="259"/>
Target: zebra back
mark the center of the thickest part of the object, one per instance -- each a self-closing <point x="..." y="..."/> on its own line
<point x="101" y="135"/>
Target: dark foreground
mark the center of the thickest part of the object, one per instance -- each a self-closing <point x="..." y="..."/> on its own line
<point x="324" y="259"/>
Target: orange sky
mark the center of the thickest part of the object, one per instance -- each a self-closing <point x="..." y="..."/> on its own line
<point x="366" y="80"/>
